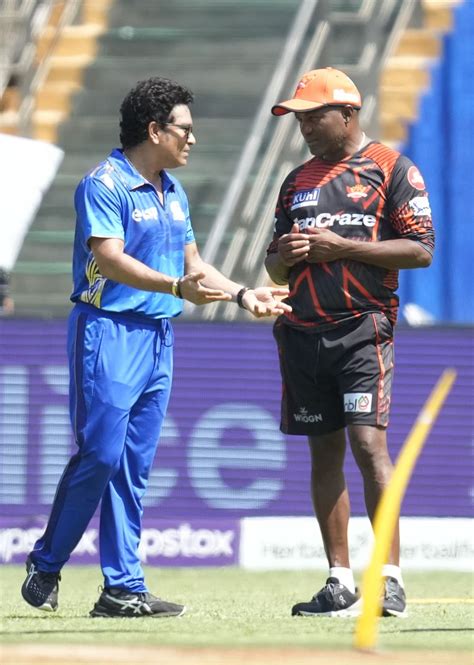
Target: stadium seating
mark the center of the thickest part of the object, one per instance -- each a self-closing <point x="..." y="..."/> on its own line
<point x="204" y="45"/>
<point x="226" y="53"/>
<point x="441" y="143"/>
<point x="406" y="74"/>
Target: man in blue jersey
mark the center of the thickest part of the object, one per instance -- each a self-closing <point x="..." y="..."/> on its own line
<point x="135" y="261"/>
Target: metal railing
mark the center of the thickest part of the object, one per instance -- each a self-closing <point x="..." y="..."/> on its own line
<point x="254" y="140"/>
<point x="16" y="19"/>
<point x="21" y="23"/>
<point x="37" y="75"/>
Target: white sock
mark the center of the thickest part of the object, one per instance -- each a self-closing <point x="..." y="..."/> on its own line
<point x="344" y="575"/>
<point x="389" y="570"/>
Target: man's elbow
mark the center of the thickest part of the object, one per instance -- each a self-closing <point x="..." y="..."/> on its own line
<point x="424" y="258"/>
<point x="278" y="280"/>
<point x="275" y="274"/>
<point x="107" y="266"/>
<point x="108" y="272"/>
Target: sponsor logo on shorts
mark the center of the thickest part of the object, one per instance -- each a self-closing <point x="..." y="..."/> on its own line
<point x="357" y="402"/>
<point x="415" y="178"/>
<point x="325" y="219"/>
<point x="357" y="192"/>
<point x="304" y="417"/>
<point x="420" y="206"/>
<point x="309" y="197"/>
<point x="144" y="215"/>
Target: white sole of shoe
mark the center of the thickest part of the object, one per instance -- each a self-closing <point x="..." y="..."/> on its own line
<point x="97" y="613"/>
<point x="394" y="613"/>
<point x="47" y="608"/>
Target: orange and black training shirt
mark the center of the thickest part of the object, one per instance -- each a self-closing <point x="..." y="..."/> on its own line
<point x="374" y="195"/>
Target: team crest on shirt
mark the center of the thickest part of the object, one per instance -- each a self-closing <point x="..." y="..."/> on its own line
<point x="306" y="198"/>
<point x="415" y="178"/>
<point x="357" y="192"/>
<point x="177" y="211"/>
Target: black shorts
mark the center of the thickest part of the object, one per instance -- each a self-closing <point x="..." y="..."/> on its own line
<point x="337" y="377"/>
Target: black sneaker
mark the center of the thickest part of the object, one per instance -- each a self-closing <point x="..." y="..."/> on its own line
<point x="394" y="600"/>
<point x="122" y="603"/>
<point x="40" y="589"/>
<point x="334" y="600"/>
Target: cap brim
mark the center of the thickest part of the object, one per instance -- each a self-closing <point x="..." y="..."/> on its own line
<point x="299" y="105"/>
<point x="295" y="105"/>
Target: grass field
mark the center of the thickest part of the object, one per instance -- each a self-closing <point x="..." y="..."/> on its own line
<point x="229" y="612"/>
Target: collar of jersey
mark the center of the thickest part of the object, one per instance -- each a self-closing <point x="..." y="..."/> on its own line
<point x="129" y="175"/>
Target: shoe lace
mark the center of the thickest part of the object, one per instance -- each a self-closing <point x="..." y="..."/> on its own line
<point x="147" y="597"/>
<point x="328" y="590"/>
<point x="391" y="590"/>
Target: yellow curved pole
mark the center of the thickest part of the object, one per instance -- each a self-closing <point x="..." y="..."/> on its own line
<point x="388" y="510"/>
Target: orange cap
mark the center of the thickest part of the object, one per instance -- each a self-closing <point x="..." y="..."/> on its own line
<point x="321" y="87"/>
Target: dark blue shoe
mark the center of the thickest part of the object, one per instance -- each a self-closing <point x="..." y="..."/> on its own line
<point x="394" y="600"/>
<point x="123" y="603"/>
<point x="334" y="600"/>
<point x="40" y="589"/>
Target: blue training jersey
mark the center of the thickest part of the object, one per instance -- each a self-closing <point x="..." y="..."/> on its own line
<point x="115" y="201"/>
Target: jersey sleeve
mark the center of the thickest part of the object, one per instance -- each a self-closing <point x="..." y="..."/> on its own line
<point x="408" y="204"/>
<point x="282" y="223"/>
<point x="98" y="209"/>
<point x="181" y="209"/>
<point x="189" y="237"/>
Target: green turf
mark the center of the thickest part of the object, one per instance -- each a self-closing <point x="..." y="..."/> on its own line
<point x="232" y="607"/>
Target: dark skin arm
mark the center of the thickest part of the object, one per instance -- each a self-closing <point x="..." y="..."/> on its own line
<point x="323" y="245"/>
<point x="293" y="247"/>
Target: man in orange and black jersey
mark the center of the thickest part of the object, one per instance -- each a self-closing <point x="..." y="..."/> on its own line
<point x="346" y="222"/>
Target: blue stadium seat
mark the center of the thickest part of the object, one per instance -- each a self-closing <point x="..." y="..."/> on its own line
<point x="441" y="144"/>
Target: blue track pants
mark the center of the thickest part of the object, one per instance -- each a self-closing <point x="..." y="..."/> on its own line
<point x="120" y="382"/>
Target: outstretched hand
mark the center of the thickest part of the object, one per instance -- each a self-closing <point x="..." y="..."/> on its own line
<point x="261" y="301"/>
<point x="192" y="290"/>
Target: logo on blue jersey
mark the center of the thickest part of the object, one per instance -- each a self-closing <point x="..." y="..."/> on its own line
<point x="309" y="197"/>
<point x="177" y="211"/>
<point x="145" y="215"/>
